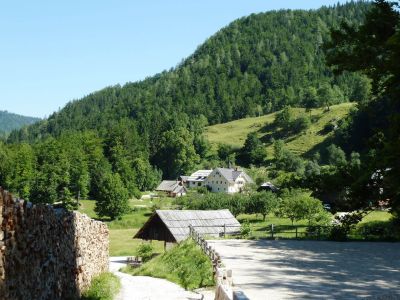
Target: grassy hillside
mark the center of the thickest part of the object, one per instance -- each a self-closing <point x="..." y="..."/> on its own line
<point x="234" y="133"/>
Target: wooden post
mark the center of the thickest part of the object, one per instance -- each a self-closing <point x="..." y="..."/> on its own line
<point x="296" y="232"/>
<point x="272" y="231"/>
<point x="165" y="246"/>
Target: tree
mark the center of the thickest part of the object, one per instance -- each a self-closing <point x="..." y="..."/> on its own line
<point x="374" y="50"/>
<point x="310" y="99"/>
<point x="176" y="155"/>
<point x="291" y="206"/>
<point x="298" y="204"/>
<point x="336" y="156"/>
<point x="22" y="172"/>
<point x="284" y="118"/>
<point x="253" y="151"/>
<point x="112" y="198"/>
<point x="262" y="203"/>
<point x="325" y="95"/>
<point x="300" y="124"/>
<point x="226" y="154"/>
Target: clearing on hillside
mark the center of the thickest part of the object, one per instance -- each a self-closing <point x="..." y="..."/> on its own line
<point x="234" y="133"/>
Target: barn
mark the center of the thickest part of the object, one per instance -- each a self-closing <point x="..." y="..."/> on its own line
<point x="172" y="226"/>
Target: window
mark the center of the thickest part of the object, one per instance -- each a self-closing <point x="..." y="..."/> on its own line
<point x="199" y="184"/>
<point x="218" y="189"/>
<point x="221" y="182"/>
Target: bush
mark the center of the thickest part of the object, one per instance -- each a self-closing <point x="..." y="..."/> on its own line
<point x="379" y="230"/>
<point x="338" y="233"/>
<point x="344" y="224"/>
<point x="145" y="251"/>
<point x="103" y="287"/>
<point x="245" y="230"/>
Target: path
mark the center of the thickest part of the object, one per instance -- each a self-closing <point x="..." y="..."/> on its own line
<point x="292" y="269"/>
<point x="147" y="288"/>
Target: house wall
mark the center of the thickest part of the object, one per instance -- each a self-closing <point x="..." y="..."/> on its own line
<point x="194" y="184"/>
<point x="48" y="253"/>
<point x="218" y="183"/>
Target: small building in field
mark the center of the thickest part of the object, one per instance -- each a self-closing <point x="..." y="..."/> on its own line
<point x="227" y="180"/>
<point x="197" y="179"/>
<point x="172" y="188"/>
<point x="172" y="226"/>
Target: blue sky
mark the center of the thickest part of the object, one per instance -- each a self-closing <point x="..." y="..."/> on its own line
<point x="53" y="52"/>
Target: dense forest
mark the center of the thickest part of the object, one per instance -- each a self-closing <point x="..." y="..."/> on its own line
<point x="257" y="64"/>
<point x="131" y="136"/>
<point x="10" y="121"/>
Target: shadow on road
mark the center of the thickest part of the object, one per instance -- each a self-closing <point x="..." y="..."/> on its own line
<point x="314" y="269"/>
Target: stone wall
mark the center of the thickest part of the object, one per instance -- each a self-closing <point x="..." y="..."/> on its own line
<point x="48" y="253"/>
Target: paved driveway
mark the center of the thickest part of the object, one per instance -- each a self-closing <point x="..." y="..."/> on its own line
<point x="313" y="269"/>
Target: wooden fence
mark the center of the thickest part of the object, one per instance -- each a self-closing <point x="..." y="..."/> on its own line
<point x="223" y="276"/>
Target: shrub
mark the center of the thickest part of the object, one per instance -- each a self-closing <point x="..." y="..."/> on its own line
<point x="103" y="287"/>
<point x="145" y="251"/>
<point x="379" y="230"/>
<point x="245" y="229"/>
<point x="343" y="225"/>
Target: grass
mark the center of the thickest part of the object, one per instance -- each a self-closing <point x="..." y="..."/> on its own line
<point x="122" y="243"/>
<point x="123" y="230"/>
<point x="234" y="133"/>
<point x="103" y="287"/>
<point x="262" y="229"/>
<point x="283" y="226"/>
<point x="377" y="215"/>
<point x="184" y="264"/>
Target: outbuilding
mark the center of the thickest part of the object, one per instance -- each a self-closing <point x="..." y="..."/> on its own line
<point x="172" y="226"/>
<point x="172" y="188"/>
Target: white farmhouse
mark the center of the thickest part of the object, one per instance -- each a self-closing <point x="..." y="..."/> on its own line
<point x="227" y="180"/>
<point x="197" y="178"/>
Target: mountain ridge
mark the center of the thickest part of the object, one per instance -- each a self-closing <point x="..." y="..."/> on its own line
<point x="11" y="121"/>
<point x="261" y="62"/>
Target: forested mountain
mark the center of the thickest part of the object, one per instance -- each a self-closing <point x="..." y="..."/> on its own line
<point x="130" y="136"/>
<point x="257" y="64"/>
<point x="10" y="121"/>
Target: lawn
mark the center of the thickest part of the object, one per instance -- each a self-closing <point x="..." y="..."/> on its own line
<point x="123" y="230"/>
<point x="283" y="227"/>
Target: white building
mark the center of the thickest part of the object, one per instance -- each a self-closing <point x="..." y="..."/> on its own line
<point x="197" y="178"/>
<point x="227" y="180"/>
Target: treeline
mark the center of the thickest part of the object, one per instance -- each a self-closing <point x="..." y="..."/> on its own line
<point x="76" y="165"/>
<point x="294" y="204"/>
